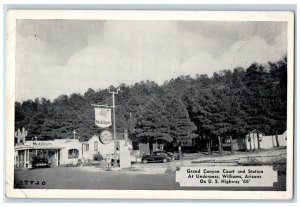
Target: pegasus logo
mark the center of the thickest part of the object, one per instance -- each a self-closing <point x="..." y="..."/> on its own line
<point x="103" y="117"/>
<point x="104" y="113"/>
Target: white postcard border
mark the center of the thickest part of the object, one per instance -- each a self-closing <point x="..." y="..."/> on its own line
<point x="13" y="15"/>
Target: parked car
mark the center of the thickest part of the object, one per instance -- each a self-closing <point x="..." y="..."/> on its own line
<point x="40" y="162"/>
<point x="175" y="156"/>
<point x="158" y="156"/>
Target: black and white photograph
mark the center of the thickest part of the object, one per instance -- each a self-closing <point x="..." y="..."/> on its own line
<point x="171" y="102"/>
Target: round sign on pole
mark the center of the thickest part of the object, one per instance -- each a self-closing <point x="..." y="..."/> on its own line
<point x="105" y="137"/>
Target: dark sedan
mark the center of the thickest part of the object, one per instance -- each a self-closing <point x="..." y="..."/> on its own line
<point x="40" y="162"/>
<point x="158" y="156"/>
<point x="175" y="156"/>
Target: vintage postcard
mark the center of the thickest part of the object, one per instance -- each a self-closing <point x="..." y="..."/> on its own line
<point x="149" y="104"/>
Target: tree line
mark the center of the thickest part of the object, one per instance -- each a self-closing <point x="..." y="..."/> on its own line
<point x="229" y="104"/>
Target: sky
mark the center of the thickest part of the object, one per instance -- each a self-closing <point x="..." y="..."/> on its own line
<point x="55" y="57"/>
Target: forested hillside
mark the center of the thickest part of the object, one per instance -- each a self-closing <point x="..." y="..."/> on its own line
<point x="230" y="103"/>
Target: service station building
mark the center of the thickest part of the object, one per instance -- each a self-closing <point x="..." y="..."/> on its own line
<point x="69" y="151"/>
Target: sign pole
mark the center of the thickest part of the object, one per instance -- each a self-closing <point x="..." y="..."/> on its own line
<point x="114" y="126"/>
<point x="115" y="164"/>
<point x="114" y="119"/>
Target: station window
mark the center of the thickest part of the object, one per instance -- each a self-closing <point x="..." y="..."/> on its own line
<point x="87" y="147"/>
<point x="95" y="146"/>
<point x="73" y="153"/>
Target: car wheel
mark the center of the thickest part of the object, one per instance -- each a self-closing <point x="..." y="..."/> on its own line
<point x="145" y="161"/>
<point x="164" y="160"/>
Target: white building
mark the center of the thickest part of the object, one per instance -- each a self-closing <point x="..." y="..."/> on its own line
<point x="270" y="141"/>
<point x="59" y="152"/>
<point x="94" y="146"/>
<point x="70" y="151"/>
<point x="265" y="142"/>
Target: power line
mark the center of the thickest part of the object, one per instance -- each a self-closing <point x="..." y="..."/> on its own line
<point x="105" y="100"/>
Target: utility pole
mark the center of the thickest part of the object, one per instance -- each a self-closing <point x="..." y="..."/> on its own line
<point x="114" y="125"/>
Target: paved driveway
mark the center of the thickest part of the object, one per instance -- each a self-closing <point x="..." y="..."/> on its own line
<point x="93" y="178"/>
<point x="75" y="178"/>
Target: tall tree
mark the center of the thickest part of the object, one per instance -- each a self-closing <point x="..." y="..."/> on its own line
<point x="228" y="104"/>
<point x="152" y="124"/>
<point x="181" y="128"/>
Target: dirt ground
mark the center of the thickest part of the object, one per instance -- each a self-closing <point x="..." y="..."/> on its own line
<point x="139" y="176"/>
<point x="193" y="159"/>
<point x="271" y="155"/>
<point x="236" y="155"/>
<point x="93" y="178"/>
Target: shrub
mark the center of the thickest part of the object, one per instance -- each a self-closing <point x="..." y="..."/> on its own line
<point x="85" y="162"/>
<point x="52" y="162"/>
<point x="98" y="156"/>
<point x="68" y="165"/>
<point x="79" y="162"/>
<point x="172" y="169"/>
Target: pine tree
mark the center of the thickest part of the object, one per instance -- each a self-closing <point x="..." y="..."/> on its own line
<point x="229" y="104"/>
<point x="152" y="124"/>
<point x="181" y="128"/>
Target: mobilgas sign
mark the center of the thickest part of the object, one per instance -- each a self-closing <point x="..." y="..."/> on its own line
<point x="105" y="137"/>
<point x="40" y="143"/>
<point x="102" y="117"/>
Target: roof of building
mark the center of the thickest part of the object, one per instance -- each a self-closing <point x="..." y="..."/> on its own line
<point x="28" y="147"/>
<point x="255" y="131"/>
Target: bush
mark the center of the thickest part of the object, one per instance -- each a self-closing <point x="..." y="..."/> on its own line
<point x="79" y="163"/>
<point x="53" y="162"/>
<point x="68" y="165"/>
<point x="85" y="162"/>
<point x="98" y="156"/>
<point x="172" y="169"/>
